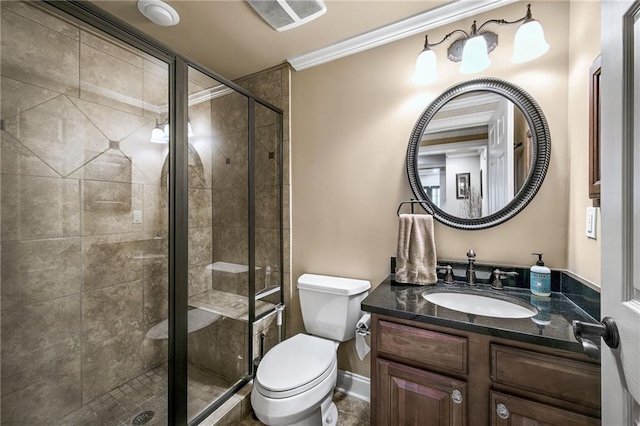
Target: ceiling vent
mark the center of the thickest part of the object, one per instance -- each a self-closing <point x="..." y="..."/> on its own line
<point x="283" y="15"/>
<point x="159" y="12"/>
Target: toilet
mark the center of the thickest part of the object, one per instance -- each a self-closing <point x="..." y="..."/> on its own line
<point x="295" y="379"/>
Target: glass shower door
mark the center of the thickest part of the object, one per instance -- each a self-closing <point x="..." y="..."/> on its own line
<point x="218" y="240"/>
<point x="83" y="218"/>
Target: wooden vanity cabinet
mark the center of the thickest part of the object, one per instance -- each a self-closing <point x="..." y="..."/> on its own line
<point x="423" y="374"/>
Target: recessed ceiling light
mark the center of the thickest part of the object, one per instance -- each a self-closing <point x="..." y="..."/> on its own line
<point x="159" y="12"/>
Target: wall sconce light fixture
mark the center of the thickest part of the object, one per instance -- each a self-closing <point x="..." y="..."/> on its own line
<point x="474" y="47"/>
<point x="160" y="133"/>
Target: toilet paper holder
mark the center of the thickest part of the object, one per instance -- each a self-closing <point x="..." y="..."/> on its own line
<point x="362" y="326"/>
<point x="363" y="331"/>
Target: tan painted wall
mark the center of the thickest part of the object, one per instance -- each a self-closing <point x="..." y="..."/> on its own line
<point x="351" y="121"/>
<point x="584" y="41"/>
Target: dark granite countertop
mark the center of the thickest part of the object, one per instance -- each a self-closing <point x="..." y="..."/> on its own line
<point x="551" y="327"/>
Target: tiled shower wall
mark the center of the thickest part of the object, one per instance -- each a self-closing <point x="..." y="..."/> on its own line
<point x="81" y="282"/>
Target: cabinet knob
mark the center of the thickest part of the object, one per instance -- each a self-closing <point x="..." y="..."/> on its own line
<point x="456" y="396"/>
<point x="502" y="411"/>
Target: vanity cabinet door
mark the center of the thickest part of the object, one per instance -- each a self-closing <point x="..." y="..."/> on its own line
<point x="410" y="396"/>
<point x="508" y="410"/>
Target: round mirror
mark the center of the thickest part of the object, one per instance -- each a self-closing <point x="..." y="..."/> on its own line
<point x="478" y="154"/>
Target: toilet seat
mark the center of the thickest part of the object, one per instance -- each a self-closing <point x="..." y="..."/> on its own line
<point x="295" y="366"/>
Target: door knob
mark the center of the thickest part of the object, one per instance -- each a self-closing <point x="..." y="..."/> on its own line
<point x="607" y="329"/>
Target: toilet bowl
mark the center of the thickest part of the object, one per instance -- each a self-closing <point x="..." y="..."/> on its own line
<point x="294" y="383"/>
<point x="295" y="380"/>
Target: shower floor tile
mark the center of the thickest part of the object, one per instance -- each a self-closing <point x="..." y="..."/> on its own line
<point x="147" y="392"/>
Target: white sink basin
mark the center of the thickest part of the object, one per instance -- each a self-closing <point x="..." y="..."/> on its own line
<point x="481" y="305"/>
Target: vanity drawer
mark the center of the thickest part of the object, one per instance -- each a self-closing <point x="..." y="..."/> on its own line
<point x="549" y="375"/>
<point x="426" y="347"/>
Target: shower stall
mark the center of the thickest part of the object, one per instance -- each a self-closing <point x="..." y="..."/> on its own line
<point x="141" y="224"/>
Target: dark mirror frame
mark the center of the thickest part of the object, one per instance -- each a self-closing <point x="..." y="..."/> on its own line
<point x="541" y="151"/>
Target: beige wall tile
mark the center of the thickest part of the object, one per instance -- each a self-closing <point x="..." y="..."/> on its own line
<point x="51" y="62"/>
<point x="112" y="47"/>
<point x="111" y="311"/>
<point x="230" y="207"/>
<point x="229" y="172"/>
<point x="270" y="91"/>
<point x="267" y="247"/>
<point x="155" y="92"/>
<point x="34" y="12"/>
<point x="110" y="81"/>
<point x="43" y="393"/>
<point x="147" y="157"/>
<point x="155" y="211"/>
<point x="108" y="207"/>
<point x="200" y="246"/>
<point x="114" y="124"/>
<point x="39" y="333"/>
<point x="39" y="207"/>
<point x="203" y="346"/>
<point x="199" y="207"/>
<point x="230" y="113"/>
<point x="59" y="134"/>
<point x="18" y="97"/>
<point x="111" y="263"/>
<point x="231" y="283"/>
<point x="231" y="359"/>
<point x="155" y="352"/>
<point x="110" y="363"/>
<point x="155" y="67"/>
<point x="231" y="245"/>
<point x="267" y="207"/>
<point x="156" y="299"/>
<point x="264" y="115"/>
<point x="112" y="165"/>
<point x="40" y="270"/>
<point x="17" y="159"/>
<point x="199" y="280"/>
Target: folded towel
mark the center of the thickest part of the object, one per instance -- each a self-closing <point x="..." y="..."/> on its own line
<point x="416" y="255"/>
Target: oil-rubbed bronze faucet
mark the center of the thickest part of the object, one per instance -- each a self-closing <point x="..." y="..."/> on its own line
<point x="498" y="276"/>
<point x="448" y="274"/>
<point x="471" y="272"/>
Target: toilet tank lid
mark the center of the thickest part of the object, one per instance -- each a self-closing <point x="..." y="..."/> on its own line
<point x="333" y="285"/>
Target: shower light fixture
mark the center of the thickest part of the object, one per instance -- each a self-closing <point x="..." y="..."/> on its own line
<point x="474" y="47"/>
<point x="160" y="133"/>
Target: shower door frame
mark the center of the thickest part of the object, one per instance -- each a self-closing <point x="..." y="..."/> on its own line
<point x="179" y="201"/>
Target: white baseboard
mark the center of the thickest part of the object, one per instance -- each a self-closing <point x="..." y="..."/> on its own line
<point x="354" y="385"/>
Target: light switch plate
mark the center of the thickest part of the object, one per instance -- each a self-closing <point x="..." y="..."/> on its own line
<point x="592" y="214"/>
<point x="137" y="216"/>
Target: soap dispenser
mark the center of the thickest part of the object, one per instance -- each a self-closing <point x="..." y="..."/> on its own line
<point x="540" y="278"/>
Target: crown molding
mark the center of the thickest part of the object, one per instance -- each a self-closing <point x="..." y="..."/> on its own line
<point x="434" y="18"/>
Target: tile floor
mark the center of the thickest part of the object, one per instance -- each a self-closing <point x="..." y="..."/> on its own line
<point x="146" y="392"/>
<point x="351" y="412"/>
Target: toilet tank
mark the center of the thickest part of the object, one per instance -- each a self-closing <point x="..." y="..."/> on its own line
<point x="331" y="305"/>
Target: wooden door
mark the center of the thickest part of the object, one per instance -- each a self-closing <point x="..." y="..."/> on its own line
<point x="410" y="397"/>
<point x="500" y="161"/>
<point x="620" y="203"/>
<point x="508" y="410"/>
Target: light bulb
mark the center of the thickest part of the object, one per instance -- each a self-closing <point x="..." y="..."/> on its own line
<point x="426" y="67"/>
<point x="474" y="55"/>
<point x="529" y="42"/>
<point x="189" y="130"/>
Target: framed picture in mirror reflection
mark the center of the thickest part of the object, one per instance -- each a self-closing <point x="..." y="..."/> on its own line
<point x="463" y="184"/>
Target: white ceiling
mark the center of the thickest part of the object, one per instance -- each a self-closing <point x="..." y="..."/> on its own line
<point x="229" y="37"/>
